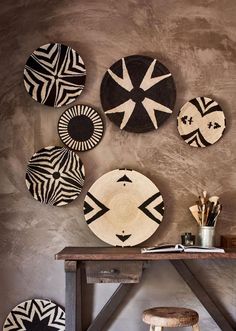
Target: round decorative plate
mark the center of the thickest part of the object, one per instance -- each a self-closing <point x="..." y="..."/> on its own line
<point x="138" y="93"/>
<point x="80" y="128"/>
<point x="123" y="207"/>
<point x="35" y="315"/>
<point x="55" y="175"/>
<point x="54" y="75"/>
<point x="201" y="122"/>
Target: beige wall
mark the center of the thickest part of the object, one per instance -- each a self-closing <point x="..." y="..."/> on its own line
<point x="196" y="40"/>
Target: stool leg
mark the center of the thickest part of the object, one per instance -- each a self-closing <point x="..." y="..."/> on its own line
<point x="155" y="328"/>
<point x="196" y="327"/>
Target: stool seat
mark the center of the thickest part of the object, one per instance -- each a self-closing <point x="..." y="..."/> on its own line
<point x="170" y="317"/>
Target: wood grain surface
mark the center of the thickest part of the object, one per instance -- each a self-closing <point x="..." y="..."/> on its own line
<point x="170" y="316"/>
<point x="132" y="253"/>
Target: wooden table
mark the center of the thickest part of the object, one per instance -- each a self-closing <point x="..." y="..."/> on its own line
<point x="125" y="266"/>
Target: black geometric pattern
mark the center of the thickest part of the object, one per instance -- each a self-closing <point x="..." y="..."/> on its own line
<point x="153" y="207"/>
<point x="35" y="315"/>
<point x="80" y="128"/>
<point x="55" y="176"/>
<point x="93" y="208"/>
<point x="54" y="75"/>
<point x="124" y="179"/>
<point x="123" y="207"/>
<point x="123" y="238"/>
<point x="138" y="93"/>
<point x="201" y="122"/>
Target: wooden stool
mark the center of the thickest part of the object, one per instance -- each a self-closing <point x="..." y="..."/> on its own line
<point x="171" y="317"/>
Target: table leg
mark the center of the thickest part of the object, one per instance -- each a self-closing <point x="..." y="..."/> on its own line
<point x="100" y="322"/>
<point x="73" y="296"/>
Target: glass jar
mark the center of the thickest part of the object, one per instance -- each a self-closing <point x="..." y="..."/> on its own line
<point x="188" y="239"/>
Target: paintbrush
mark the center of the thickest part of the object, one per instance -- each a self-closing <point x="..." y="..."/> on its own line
<point x="214" y="199"/>
<point x="203" y="214"/>
<point x="203" y="209"/>
<point x="214" y="214"/>
<point x="205" y="196"/>
<point x="207" y="211"/>
<point x="199" y="210"/>
<point x="210" y="210"/>
<point x="195" y="212"/>
<point x="217" y="214"/>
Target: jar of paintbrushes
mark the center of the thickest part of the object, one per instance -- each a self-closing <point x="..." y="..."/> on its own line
<point x="206" y="212"/>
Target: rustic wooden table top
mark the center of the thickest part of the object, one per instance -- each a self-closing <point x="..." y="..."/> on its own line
<point x="133" y="254"/>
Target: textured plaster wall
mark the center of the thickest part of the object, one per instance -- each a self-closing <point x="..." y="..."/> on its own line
<point x="196" y="40"/>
